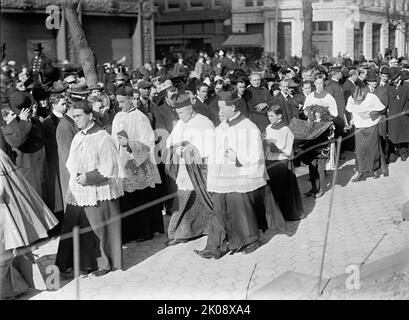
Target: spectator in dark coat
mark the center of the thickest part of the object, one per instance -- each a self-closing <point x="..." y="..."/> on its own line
<point x="334" y="88"/>
<point x="398" y="122"/>
<point x="256" y="98"/>
<point x="203" y="102"/>
<point x="25" y="136"/>
<point x="287" y="103"/>
<point x="53" y="184"/>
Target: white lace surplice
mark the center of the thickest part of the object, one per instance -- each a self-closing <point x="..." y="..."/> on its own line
<point x="90" y="152"/>
<point x="198" y="131"/>
<point x="138" y="159"/>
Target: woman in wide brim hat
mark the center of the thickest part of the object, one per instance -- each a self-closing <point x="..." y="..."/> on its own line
<point x="24" y="219"/>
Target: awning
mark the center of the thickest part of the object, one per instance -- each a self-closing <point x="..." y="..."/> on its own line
<point x="245" y="40"/>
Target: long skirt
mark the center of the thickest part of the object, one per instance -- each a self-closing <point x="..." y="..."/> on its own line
<point x="32" y="166"/>
<point x="367" y="149"/>
<point x="190" y="218"/>
<point x="144" y="223"/>
<point x="284" y="186"/>
<point x="89" y="243"/>
<point x="234" y="223"/>
<point x="12" y="281"/>
<point x="26" y="217"/>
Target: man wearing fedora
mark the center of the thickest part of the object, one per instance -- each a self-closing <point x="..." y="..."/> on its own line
<point x="41" y="65"/>
<point x="398" y="122"/>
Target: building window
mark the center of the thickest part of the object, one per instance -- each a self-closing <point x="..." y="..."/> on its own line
<point x="195" y="4"/>
<point x="376" y="39"/>
<point x="217" y="3"/>
<point x="322" y="38"/>
<point x="254" y="3"/>
<point x="255" y="28"/>
<point x="172" y="5"/>
<point x="322" y="26"/>
<point x="359" y="40"/>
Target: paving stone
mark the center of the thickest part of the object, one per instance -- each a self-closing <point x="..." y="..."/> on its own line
<point x="172" y="277"/>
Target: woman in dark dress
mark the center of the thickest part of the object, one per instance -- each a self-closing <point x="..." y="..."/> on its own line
<point x="279" y="140"/>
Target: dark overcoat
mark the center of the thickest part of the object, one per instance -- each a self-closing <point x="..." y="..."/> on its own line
<point x="65" y="132"/>
<point x="398" y="115"/>
<point x="53" y="183"/>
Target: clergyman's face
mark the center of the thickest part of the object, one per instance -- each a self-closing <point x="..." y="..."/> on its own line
<point x="185" y="113"/>
<point x="123" y="102"/>
<point x="81" y="119"/>
<point x="272" y="117"/>
<point x="226" y="111"/>
<point x="319" y="85"/>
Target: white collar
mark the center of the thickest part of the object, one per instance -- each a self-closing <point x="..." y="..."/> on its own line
<point x="199" y="99"/>
<point x="86" y="130"/>
<point x="235" y="117"/>
<point x="58" y="114"/>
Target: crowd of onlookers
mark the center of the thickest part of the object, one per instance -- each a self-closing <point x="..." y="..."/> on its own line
<point x="368" y="100"/>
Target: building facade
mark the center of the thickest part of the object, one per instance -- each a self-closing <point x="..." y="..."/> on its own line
<point x="112" y="28"/>
<point x="188" y="26"/>
<point x="339" y="26"/>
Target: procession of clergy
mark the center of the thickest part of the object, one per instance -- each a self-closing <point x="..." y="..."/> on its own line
<point x="220" y="164"/>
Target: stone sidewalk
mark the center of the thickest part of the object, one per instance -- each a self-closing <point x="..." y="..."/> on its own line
<point x="366" y="226"/>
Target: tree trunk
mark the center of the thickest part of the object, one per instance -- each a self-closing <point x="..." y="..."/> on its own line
<point x="86" y="55"/>
<point x="307" y="33"/>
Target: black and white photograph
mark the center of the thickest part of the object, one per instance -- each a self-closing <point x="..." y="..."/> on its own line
<point x="204" y="155"/>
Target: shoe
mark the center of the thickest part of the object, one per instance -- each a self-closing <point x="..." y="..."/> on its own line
<point x="205" y="254"/>
<point x="403" y="158"/>
<point x="359" y="177"/>
<point x="210" y="255"/>
<point x="67" y="275"/>
<point x="376" y="175"/>
<point x="318" y="195"/>
<point x="100" y="272"/>
<point x="175" y="242"/>
<point x="310" y="193"/>
<point x="386" y="174"/>
<point x="144" y="239"/>
<point x="85" y="273"/>
<point x="234" y="251"/>
<point x="250" y="248"/>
